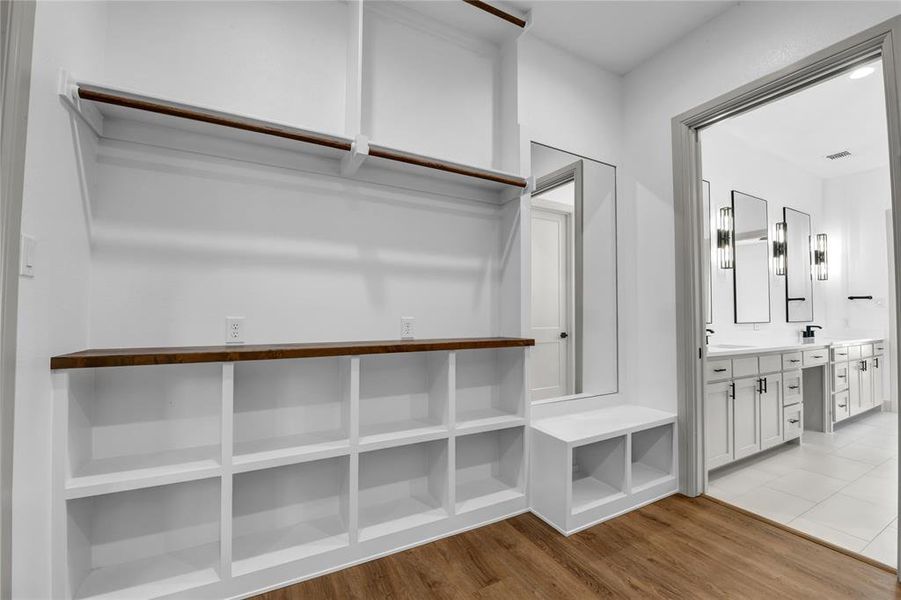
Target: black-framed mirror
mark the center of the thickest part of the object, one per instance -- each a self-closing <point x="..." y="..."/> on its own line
<point x="751" y="276"/>
<point x="708" y="243"/>
<point x="798" y="273"/>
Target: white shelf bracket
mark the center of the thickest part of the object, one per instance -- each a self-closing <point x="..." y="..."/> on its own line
<point x="359" y="150"/>
<point x="67" y="88"/>
<point x="530" y="185"/>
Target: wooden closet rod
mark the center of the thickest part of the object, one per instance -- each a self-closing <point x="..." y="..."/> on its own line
<point x="497" y="12"/>
<point x="175" y="110"/>
<point x="412" y="159"/>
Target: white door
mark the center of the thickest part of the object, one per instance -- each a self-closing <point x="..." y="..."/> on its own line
<point x="746" y="416"/>
<point x="549" y="361"/>
<point x="718" y="423"/>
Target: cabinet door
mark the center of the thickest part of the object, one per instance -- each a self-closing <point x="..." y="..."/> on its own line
<point x="746" y="416"/>
<point x="866" y="384"/>
<point x="718" y="424"/>
<point x="771" y="417"/>
<point x="878" y="384"/>
<point x="854" y="370"/>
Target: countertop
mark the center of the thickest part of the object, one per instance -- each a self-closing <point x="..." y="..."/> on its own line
<point x="719" y="350"/>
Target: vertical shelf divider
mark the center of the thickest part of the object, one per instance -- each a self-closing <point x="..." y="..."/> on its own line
<point x="350" y="375"/>
<point x="227" y="446"/>
<point x="59" y="557"/>
<point x="451" y="496"/>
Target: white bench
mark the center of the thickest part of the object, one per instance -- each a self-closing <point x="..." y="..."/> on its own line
<point x="591" y="466"/>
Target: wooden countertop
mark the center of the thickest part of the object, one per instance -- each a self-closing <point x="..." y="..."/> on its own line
<point x="126" y="357"/>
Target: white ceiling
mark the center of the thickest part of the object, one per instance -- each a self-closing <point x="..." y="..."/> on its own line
<point x="617" y="36"/>
<point x="839" y="114"/>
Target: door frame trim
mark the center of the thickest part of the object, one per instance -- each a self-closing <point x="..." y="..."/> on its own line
<point x="688" y="210"/>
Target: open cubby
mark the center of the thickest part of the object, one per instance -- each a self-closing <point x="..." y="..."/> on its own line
<point x="402" y="393"/>
<point x="288" y="513"/>
<point x="144" y="420"/>
<point x="652" y="456"/>
<point x="402" y="488"/>
<point x="489" y="385"/>
<point x="489" y="468"/>
<point x="290" y="406"/>
<point x="599" y="473"/>
<point x="144" y="543"/>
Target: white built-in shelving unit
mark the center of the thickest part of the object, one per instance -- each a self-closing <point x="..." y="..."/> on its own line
<point x="592" y="466"/>
<point x="216" y="479"/>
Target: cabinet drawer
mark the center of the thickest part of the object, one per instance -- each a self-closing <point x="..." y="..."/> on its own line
<point x="879" y="348"/>
<point x="839" y="376"/>
<point x="866" y="350"/>
<point x="841" y="406"/>
<point x="840" y="354"/>
<point x="742" y="367"/>
<point x="816" y="357"/>
<point x="793" y="421"/>
<point x="853" y="352"/>
<point x="791" y="360"/>
<point x="792" y="392"/>
<point x="770" y="363"/>
<point x="719" y="369"/>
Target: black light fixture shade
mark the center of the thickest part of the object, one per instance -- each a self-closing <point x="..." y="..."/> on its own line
<point x="725" y="242"/>
<point x="779" y="249"/>
<point x="821" y="257"/>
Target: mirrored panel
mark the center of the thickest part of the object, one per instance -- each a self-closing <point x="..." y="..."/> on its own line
<point x="573" y="275"/>
<point x="752" y="259"/>
<point x="798" y="280"/>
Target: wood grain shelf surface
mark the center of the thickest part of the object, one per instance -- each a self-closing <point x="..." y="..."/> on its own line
<point x="116" y="100"/>
<point x="128" y="357"/>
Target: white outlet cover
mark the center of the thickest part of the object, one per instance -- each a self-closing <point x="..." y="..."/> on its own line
<point x="234" y="330"/>
<point x="407" y="328"/>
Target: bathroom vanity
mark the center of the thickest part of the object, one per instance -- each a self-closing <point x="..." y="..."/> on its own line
<point x="757" y="397"/>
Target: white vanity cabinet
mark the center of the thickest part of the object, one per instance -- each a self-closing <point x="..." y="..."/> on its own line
<point x="745" y="413"/>
<point x="857" y="378"/>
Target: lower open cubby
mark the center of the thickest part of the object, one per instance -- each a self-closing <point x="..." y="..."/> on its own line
<point x="599" y="473"/>
<point x="402" y="488"/>
<point x="144" y="543"/>
<point x="489" y="468"/>
<point x="652" y="456"/>
<point x="288" y="513"/>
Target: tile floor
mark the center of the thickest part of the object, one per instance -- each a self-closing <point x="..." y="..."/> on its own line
<point x="839" y="487"/>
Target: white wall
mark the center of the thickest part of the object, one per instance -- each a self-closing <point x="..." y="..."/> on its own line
<point x="731" y="164"/>
<point x="856" y="210"/>
<point x="53" y="306"/>
<point x="743" y="44"/>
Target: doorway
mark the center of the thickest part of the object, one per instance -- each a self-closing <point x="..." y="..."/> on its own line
<point x="698" y="364"/>
<point x="553" y="207"/>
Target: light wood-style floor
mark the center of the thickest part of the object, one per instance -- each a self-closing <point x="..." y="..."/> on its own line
<point x="687" y="548"/>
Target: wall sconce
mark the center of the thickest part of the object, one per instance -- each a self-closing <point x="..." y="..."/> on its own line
<point x="725" y="244"/>
<point x="820" y="258"/>
<point x="779" y="247"/>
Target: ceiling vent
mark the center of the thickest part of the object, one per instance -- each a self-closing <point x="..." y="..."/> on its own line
<point x="838" y="155"/>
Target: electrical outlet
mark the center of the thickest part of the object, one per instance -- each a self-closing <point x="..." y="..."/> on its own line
<point x="406" y="328"/>
<point x="26" y="256"/>
<point x="234" y="330"/>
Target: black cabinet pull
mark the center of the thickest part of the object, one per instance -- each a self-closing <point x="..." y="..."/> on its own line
<point x="793" y="421"/>
<point x="876" y="362"/>
<point x="818" y="356"/>
<point x="766" y="385"/>
<point x="794" y="360"/>
<point x="732" y="385"/>
<point x="722" y="370"/>
<point x="860" y="297"/>
<point x="841" y="376"/>
<point x="792" y="387"/>
<point x="842" y="405"/>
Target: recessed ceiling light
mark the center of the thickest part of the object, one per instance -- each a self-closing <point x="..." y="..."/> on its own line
<point x="862" y="72"/>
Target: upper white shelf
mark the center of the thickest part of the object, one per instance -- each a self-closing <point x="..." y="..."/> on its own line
<point x="586" y="427"/>
<point x="98" y="104"/>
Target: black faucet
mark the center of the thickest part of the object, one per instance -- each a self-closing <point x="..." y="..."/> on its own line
<point x="707" y="337"/>
<point x="809" y="331"/>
